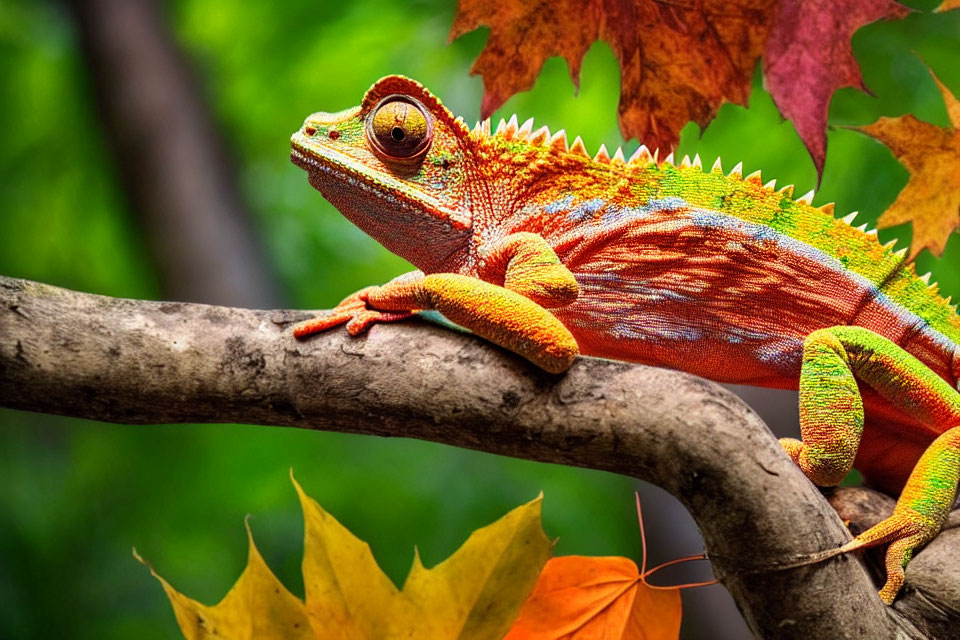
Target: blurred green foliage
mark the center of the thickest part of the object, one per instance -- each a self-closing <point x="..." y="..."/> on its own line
<point x="76" y="495"/>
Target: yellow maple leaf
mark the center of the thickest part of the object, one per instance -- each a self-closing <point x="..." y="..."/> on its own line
<point x="931" y="199"/>
<point x="258" y="606"/>
<point x="475" y="594"/>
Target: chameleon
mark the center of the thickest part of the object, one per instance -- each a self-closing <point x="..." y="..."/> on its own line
<point x="529" y="242"/>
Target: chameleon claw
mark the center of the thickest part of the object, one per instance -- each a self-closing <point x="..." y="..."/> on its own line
<point x="319" y="324"/>
<point x="353" y="311"/>
<point x="362" y="321"/>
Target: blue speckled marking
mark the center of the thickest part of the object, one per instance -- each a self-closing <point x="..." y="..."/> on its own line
<point x="612" y="214"/>
<point x="586" y="210"/>
<point x="669" y="203"/>
<point x="560" y="205"/>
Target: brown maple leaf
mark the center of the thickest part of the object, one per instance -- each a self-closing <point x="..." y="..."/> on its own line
<point x="681" y="60"/>
<point x="931" y="199"/>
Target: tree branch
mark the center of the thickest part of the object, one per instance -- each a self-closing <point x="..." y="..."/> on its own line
<point x="161" y="362"/>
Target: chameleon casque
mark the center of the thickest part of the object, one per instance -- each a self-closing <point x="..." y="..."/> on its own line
<point x="534" y="245"/>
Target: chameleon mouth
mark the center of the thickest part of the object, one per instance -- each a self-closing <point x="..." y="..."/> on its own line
<point x="333" y="166"/>
<point x="304" y="161"/>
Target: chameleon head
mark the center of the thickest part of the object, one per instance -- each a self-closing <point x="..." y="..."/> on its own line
<point x="395" y="167"/>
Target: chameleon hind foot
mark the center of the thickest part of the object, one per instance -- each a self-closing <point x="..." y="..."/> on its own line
<point x="836" y="361"/>
<point x="905" y="532"/>
<point x="923" y="506"/>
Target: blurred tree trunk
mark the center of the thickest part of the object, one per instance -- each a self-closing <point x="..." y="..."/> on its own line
<point x="171" y="160"/>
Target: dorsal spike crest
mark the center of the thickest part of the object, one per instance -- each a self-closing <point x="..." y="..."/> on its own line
<point x="697" y="162"/>
<point x="862" y="228"/>
<point x="667" y="160"/>
<point x="806" y="198"/>
<point x="754" y="177"/>
<point x="602" y="155"/>
<point x="771" y="186"/>
<point x="737" y="171"/>
<point x="578" y="148"/>
<point x="850" y="217"/>
<point x="901" y="254"/>
<point x="685" y="163"/>
<point x="926" y="277"/>
<point x="641" y="156"/>
<point x="485" y="127"/>
<point x="540" y="136"/>
<point x="523" y="133"/>
<point x="559" y="141"/>
<point x="787" y="190"/>
<point x="501" y="127"/>
<point x="717" y="166"/>
<point x="510" y="131"/>
<point x="871" y="232"/>
<point x="618" y="157"/>
<point x="828" y="208"/>
<point x="890" y="245"/>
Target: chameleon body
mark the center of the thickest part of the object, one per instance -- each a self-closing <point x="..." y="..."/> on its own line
<point x="533" y="244"/>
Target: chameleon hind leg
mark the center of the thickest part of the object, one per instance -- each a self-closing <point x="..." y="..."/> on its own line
<point x="513" y="315"/>
<point x="831" y="422"/>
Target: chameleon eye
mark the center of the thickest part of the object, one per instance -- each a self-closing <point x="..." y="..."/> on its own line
<point x="400" y="130"/>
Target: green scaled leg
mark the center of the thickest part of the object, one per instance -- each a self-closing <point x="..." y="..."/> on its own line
<point x="831" y="422"/>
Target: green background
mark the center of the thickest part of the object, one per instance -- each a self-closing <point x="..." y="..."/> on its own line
<point x="75" y="496"/>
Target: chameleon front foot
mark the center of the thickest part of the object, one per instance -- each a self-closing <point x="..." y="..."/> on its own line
<point x="500" y="315"/>
<point x="354" y="311"/>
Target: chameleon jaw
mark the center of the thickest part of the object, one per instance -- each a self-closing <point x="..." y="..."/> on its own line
<point x="337" y="165"/>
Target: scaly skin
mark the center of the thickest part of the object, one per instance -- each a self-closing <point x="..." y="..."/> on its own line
<point x="535" y="246"/>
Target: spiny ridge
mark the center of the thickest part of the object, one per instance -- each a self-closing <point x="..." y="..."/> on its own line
<point x="602" y="155"/>
<point x="578" y="148"/>
<point x="641" y="156"/>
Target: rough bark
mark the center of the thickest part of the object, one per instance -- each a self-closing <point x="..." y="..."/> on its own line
<point x="170" y="157"/>
<point x="161" y="362"/>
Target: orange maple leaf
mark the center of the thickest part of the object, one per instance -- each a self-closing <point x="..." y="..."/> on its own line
<point x="580" y="597"/>
<point x="931" y="199"/>
<point x="681" y="60"/>
<point x="602" y="598"/>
